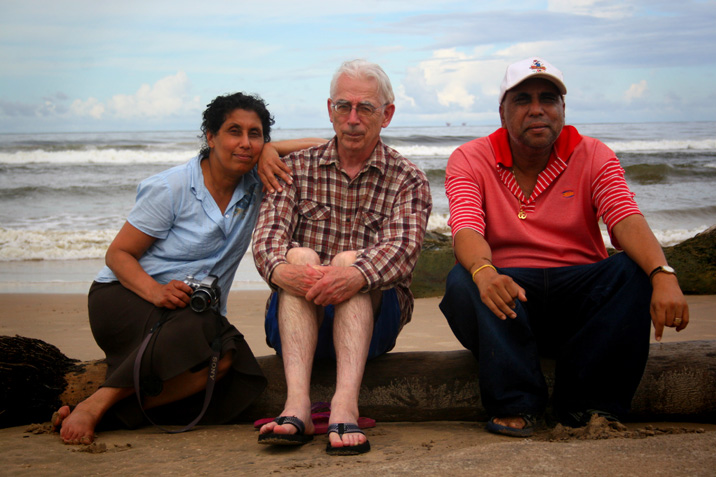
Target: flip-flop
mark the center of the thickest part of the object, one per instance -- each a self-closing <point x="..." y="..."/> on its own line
<point x="320" y="422"/>
<point x="317" y="409"/>
<point x="320" y="414"/>
<point x="297" y="439"/>
<point x="526" y="431"/>
<point x="341" y="429"/>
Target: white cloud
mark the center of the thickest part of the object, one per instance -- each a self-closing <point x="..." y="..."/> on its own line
<point x="90" y="107"/>
<point x="450" y="79"/>
<point x="636" y="91"/>
<point x="167" y="97"/>
<point x="593" y="8"/>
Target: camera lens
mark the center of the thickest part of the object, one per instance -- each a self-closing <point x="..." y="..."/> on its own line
<point x="200" y="301"/>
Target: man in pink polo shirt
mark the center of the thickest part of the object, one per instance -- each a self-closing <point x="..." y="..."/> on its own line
<point x="534" y="277"/>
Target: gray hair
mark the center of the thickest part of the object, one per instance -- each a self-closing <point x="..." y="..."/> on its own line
<point x="364" y="69"/>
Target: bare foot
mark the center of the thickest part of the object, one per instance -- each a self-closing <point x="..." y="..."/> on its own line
<point x="77" y="426"/>
<point x="347" y="415"/>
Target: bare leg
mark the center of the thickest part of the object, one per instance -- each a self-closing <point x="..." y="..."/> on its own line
<point x="187" y="384"/>
<point x="77" y="427"/>
<point x="298" y="322"/>
<point x="352" y="332"/>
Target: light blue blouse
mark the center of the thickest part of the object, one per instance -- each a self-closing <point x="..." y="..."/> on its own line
<point x="193" y="236"/>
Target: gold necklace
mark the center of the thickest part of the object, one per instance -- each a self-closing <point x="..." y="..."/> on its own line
<point x="521" y="214"/>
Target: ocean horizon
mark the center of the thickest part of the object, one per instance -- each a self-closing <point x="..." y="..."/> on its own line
<point x="64" y="196"/>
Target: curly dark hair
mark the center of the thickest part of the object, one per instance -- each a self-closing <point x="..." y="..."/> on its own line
<point x="222" y="106"/>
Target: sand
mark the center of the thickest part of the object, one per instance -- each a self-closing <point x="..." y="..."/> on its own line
<point x="398" y="448"/>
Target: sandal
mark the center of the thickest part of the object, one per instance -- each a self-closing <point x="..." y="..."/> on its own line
<point x="526" y="431"/>
<point x="320" y="414"/>
<point x="297" y="439"/>
<point x="341" y="429"/>
<point x="581" y="418"/>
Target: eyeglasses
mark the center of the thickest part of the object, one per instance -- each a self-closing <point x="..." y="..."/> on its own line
<point x="364" y="110"/>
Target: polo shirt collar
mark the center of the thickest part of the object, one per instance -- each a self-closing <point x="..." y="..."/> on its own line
<point x="563" y="147"/>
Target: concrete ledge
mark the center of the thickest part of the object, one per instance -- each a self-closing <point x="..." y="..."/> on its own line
<point x="679" y="383"/>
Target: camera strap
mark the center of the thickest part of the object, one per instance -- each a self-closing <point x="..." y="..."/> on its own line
<point x="210" y="380"/>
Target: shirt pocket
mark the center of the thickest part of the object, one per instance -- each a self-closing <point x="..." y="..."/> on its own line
<point x="373" y="224"/>
<point x="313" y="211"/>
<point x="373" y="220"/>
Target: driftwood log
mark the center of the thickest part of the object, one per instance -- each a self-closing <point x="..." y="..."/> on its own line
<point x="679" y="383"/>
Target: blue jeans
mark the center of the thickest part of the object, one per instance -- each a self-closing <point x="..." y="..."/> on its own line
<point x="593" y="319"/>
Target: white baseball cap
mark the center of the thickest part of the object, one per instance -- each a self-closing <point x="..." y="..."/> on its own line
<point x="532" y="67"/>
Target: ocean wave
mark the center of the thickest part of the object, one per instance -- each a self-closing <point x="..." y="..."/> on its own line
<point x="439" y="223"/>
<point x="649" y="146"/>
<point x="666" y="237"/>
<point x="435" y="175"/>
<point x="659" y="173"/>
<point x="420" y="139"/>
<point x="54" y="244"/>
<point x="34" y="244"/>
<point x="129" y="156"/>
<point x="97" y="156"/>
<point x="705" y="213"/>
<point x="411" y="151"/>
<point x="178" y="153"/>
<point x="76" y="192"/>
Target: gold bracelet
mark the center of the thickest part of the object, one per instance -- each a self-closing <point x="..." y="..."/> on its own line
<point x="487" y="265"/>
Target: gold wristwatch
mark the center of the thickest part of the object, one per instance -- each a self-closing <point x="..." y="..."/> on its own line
<point x="662" y="269"/>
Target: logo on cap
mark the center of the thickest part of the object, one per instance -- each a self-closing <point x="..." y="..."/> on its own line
<point x="537" y="67"/>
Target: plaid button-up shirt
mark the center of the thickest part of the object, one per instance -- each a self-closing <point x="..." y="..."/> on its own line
<point x="382" y="214"/>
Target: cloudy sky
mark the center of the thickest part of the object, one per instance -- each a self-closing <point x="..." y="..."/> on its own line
<point x="154" y="65"/>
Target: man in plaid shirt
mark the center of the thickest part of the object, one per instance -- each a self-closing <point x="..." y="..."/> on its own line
<point x="338" y="244"/>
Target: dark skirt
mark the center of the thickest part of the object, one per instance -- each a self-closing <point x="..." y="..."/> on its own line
<point x="120" y="320"/>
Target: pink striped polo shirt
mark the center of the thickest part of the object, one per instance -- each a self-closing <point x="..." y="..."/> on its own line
<point x="583" y="181"/>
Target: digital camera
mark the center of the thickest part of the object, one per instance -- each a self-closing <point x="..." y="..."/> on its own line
<point x="206" y="293"/>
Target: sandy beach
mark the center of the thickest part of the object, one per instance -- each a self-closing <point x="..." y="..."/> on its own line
<point x="398" y="448"/>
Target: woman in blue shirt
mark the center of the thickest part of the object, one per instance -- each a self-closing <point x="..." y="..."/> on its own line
<point x="193" y="220"/>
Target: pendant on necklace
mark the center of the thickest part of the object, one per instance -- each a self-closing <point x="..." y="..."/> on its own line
<point x="521" y="214"/>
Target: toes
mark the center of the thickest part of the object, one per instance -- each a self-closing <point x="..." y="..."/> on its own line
<point x="353" y="439"/>
<point x="276" y="429"/>
<point x="348" y="439"/>
<point x="512" y="422"/>
<point x="266" y="428"/>
<point x="74" y="441"/>
<point x="59" y="416"/>
<point x="56" y="420"/>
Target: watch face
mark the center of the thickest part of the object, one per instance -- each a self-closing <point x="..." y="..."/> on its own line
<point x="662" y="268"/>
